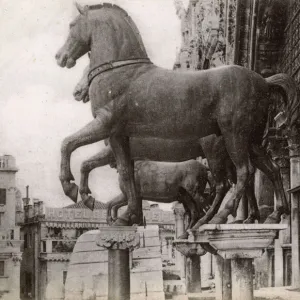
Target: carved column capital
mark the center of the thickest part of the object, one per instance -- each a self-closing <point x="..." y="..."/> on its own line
<point x="16" y="258"/>
<point x="118" y="238"/>
<point x="179" y="211"/>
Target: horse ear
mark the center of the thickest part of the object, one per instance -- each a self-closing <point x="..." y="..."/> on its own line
<point x="82" y="10"/>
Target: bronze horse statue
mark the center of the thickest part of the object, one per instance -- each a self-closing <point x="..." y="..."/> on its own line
<point x="166" y="111"/>
<point x="213" y="149"/>
<point x="162" y="182"/>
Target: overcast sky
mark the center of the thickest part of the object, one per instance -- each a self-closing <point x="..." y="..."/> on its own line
<point x="37" y="107"/>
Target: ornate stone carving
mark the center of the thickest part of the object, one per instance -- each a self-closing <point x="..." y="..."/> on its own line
<point x="271" y="24"/>
<point x="16" y="258"/>
<point x="119" y="238"/>
<point x="273" y="20"/>
<point x="179" y="211"/>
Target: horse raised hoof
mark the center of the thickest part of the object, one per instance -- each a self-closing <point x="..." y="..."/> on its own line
<point x="184" y="236"/>
<point x="84" y="191"/>
<point x="71" y="190"/>
<point x="88" y="201"/>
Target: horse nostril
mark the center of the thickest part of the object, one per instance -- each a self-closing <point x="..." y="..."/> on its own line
<point x="76" y="92"/>
<point x="57" y="55"/>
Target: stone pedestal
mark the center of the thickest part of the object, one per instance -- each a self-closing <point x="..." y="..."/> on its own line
<point x="118" y="241"/>
<point x="192" y="252"/>
<point x="239" y="244"/>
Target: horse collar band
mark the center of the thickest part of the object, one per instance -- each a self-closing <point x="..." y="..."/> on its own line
<point x="115" y="64"/>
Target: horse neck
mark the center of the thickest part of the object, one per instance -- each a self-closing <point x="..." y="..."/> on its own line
<point x="115" y="41"/>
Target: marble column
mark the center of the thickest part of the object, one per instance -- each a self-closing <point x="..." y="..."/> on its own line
<point x="179" y="213"/>
<point x="281" y="157"/>
<point x="119" y="241"/>
<point x="242" y="278"/>
<point x="223" y="278"/>
<point x="192" y="252"/>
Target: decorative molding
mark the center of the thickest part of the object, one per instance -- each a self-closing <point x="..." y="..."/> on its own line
<point x="119" y="238"/>
<point x="189" y="249"/>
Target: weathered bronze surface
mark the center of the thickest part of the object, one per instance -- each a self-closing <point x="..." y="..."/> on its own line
<point x="146" y="101"/>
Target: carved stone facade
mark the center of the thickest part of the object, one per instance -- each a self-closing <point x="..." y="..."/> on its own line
<point x="262" y="35"/>
<point x="208" y="34"/>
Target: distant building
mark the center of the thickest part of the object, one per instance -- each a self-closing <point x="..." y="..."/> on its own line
<point x="10" y="210"/>
<point x="51" y="233"/>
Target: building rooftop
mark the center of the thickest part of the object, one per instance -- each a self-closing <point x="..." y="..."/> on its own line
<point x="80" y="204"/>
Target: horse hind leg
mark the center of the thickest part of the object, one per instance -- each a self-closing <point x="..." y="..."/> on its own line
<point x="190" y="207"/>
<point x="254" y="214"/>
<point x="222" y="187"/>
<point x="134" y="213"/>
<point x="238" y="151"/>
<point x="112" y="205"/>
<point x="263" y="162"/>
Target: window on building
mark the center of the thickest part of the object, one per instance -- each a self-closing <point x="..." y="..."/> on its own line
<point x="80" y="231"/>
<point x="29" y="240"/>
<point x="2" y="196"/>
<point x="2" y="268"/>
<point x="57" y="231"/>
<point x="43" y="246"/>
<point x="1" y="218"/>
<point x="25" y="241"/>
<point x="64" y="276"/>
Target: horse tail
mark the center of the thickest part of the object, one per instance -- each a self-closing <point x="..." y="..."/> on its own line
<point x="286" y="86"/>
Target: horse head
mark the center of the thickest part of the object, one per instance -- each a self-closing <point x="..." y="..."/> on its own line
<point x="107" y="31"/>
<point x="78" y="41"/>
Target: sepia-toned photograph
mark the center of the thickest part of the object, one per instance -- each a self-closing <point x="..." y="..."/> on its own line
<point x="150" y="150"/>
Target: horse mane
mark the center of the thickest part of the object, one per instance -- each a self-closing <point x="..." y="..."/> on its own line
<point x="125" y="15"/>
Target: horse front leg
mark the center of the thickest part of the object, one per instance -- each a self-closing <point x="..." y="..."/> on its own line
<point x="134" y="212"/>
<point x="103" y="158"/>
<point x="95" y="131"/>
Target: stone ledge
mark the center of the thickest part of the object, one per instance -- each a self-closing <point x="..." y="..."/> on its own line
<point x="236" y="240"/>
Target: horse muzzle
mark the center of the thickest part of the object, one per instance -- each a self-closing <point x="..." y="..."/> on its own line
<point x="63" y="60"/>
